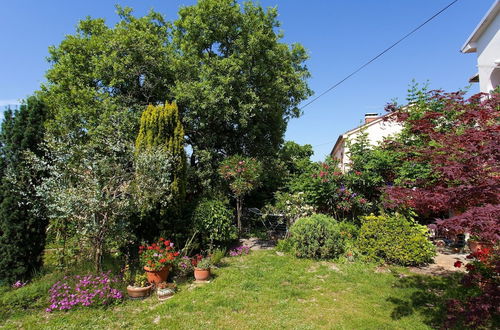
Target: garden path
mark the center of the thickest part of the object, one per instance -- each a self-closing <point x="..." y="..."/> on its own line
<point x="443" y="264"/>
<point x="255" y="243"/>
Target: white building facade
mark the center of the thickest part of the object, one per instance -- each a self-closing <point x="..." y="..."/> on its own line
<point x="376" y="128"/>
<point x="485" y="41"/>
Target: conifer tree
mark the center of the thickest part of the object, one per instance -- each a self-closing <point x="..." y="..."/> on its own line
<point x="22" y="218"/>
<point x="161" y="129"/>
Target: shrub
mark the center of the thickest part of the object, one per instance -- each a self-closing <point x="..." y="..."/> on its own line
<point x="213" y="220"/>
<point x="348" y="230"/>
<point x="317" y="236"/>
<point x="217" y="256"/>
<point x="478" y="307"/>
<point x="285" y="245"/>
<point x="395" y="239"/>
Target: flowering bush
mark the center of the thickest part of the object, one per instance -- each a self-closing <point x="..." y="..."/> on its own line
<point x="243" y="175"/>
<point x="239" y="251"/>
<point x="158" y="255"/>
<point x="292" y="206"/>
<point x="329" y="191"/>
<point x="90" y="290"/>
<point x="197" y="258"/>
<point x="483" y="284"/>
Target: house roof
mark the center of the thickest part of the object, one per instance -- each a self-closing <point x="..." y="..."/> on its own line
<point x="474" y="78"/>
<point x="354" y="130"/>
<point x="470" y="45"/>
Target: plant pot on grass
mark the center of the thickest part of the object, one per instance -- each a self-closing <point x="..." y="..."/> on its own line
<point x="139" y="287"/>
<point x="157" y="259"/>
<point x="157" y="276"/>
<point x="139" y="292"/>
<point x="202" y="269"/>
<point x="476" y="245"/>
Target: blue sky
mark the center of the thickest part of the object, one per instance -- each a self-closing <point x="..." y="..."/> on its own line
<point x="339" y="35"/>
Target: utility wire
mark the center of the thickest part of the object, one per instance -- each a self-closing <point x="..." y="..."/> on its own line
<point x="380" y="54"/>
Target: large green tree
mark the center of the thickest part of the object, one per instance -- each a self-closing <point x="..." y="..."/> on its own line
<point x="101" y="68"/>
<point x="22" y="217"/>
<point x="237" y="84"/>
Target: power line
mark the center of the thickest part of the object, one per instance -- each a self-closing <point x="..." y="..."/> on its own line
<point x="380" y="54"/>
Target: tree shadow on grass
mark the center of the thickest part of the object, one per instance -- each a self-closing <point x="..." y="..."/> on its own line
<point x="428" y="297"/>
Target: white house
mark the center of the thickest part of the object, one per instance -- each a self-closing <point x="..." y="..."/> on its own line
<point x="485" y="41"/>
<point x="374" y="126"/>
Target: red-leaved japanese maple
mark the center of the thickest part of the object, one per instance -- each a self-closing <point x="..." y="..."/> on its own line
<point x="460" y="139"/>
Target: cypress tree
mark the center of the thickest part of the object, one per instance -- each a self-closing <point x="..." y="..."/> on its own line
<point x="22" y="229"/>
<point x="161" y="127"/>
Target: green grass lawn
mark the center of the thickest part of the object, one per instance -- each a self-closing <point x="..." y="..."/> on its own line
<point x="267" y="291"/>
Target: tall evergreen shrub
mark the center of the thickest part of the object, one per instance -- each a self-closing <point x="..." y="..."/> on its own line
<point x="161" y="129"/>
<point x="22" y="217"/>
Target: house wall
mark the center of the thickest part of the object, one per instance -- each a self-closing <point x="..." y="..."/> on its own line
<point x="376" y="134"/>
<point x="488" y="51"/>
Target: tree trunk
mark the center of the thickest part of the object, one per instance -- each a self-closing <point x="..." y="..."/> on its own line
<point x="239" y="207"/>
<point x="98" y="255"/>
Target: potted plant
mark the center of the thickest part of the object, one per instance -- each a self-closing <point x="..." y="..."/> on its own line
<point x="165" y="290"/>
<point x="202" y="269"/>
<point x="476" y="244"/>
<point x="157" y="259"/>
<point x="138" y="286"/>
<point x="184" y="268"/>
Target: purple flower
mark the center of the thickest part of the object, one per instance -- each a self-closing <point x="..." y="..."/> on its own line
<point x="19" y="284"/>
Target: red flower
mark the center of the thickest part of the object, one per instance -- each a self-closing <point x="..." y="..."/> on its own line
<point x="176" y="254"/>
<point x="470" y="267"/>
<point x="163" y="260"/>
<point x="458" y="264"/>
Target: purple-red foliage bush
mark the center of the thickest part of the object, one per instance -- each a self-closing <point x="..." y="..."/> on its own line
<point x="89" y="290"/>
<point x="460" y="140"/>
<point x="482" y="306"/>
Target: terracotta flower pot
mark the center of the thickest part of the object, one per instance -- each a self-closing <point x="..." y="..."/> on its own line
<point x="157" y="276"/>
<point x="475" y="246"/>
<point x="201" y="274"/>
<point x="136" y="292"/>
